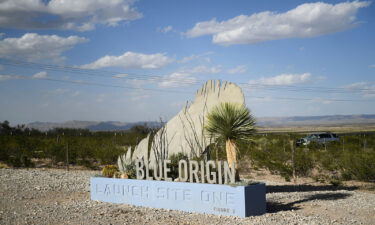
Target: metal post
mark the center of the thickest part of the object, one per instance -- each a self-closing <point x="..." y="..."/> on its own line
<point x="364" y="142"/>
<point x="293" y="162"/>
<point x="67" y="157"/>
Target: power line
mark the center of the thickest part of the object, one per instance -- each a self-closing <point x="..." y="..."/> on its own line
<point x="95" y="84"/>
<point x="179" y="92"/>
<point x="90" y="72"/>
<point x="158" y="78"/>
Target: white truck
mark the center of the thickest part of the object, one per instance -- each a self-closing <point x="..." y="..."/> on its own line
<point x="320" y="138"/>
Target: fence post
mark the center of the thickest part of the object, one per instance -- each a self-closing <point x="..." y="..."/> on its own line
<point x="364" y="142"/>
<point x="67" y="157"/>
<point x="293" y="161"/>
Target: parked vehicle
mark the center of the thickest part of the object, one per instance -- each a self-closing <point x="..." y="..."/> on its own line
<point x="320" y="138"/>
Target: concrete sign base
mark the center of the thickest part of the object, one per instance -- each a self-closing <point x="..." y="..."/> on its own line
<point x="217" y="199"/>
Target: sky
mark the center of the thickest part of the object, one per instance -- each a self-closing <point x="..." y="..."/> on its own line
<point x="125" y="60"/>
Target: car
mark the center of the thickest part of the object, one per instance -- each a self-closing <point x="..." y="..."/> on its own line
<point x="319" y="138"/>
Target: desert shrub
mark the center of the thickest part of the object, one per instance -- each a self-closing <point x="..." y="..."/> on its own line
<point x="18" y="145"/>
<point x="109" y="170"/>
<point x="351" y="158"/>
<point x="335" y="180"/>
<point x="304" y="162"/>
<point x="3" y="166"/>
<point x="358" y="165"/>
<point x="16" y="151"/>
<point x="273" y="153"/>
<point x="131" y="171"/>
<point x="117" y="174"/>
<point x="56" y="152"/>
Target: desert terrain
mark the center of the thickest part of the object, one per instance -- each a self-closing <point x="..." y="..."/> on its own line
<point x="56" y="196"/>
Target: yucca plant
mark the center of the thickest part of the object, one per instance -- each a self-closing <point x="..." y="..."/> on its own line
<point x="229" y="123"/>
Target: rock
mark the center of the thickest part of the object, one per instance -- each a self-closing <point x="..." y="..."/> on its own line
<point x="184" y="133"/>
<point x="141" y="150"/>
<point x="124" y="160"/>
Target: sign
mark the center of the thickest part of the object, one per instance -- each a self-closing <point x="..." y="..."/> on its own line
<point x="194" y="171"/>
<point x="217" y="199"/>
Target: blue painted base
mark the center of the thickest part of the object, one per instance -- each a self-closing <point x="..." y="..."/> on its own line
<point x="217" y="199"/>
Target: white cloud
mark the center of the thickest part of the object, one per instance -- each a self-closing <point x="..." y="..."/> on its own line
<point x="131" y="60"/>
<point x="35" y="47"/>
<point x="184" y="77"/>
<point x="202" y="70"/>
<point x="138" y="83"/>
<point x="306" y="20"/>
<point x="238" y="70"/>
<point x="121" y="75"/>
<point x="59" y="91"/>
<point x="4" y="77"/>
<point x="166" y="29"/>
<point x="357" y="85"/>
<point x="188" y="59"/>
<point x="322" y="101"/>
<point x="177" y="79"/>
<point x="283" y="79"/>
<point x="101" y="97"/>
<point x="138" y="95"/>
<point x="79" y="15"/>
<point x="193" y="57"/>
<point x="39" y="75"/>
<point x="367" y="89"/>
<point x="76" y="93"/>
<point x="372" y="66"/>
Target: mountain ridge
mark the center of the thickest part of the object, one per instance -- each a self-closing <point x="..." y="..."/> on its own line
<point x="261" y="122"/>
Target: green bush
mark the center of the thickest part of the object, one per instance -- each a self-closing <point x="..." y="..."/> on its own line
<point x="358" y="165"/>
<point x="109" y="170"/>
<point x="351" y="158"/>
<point x="3" y="166"/>
<point x="335" y="182"/>
<point x="175" y="158"/>
<point x="130" y="171"/>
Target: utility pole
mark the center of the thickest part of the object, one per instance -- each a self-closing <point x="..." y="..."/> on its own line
<point x="293" y="162"/>
<point x="66" y="154"/>
<point x="67" y="157"/>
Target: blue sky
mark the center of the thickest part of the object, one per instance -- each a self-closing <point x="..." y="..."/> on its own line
<point x="124" y="60"/>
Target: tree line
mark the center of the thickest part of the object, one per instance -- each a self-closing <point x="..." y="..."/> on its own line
<point x="20" y="146"/>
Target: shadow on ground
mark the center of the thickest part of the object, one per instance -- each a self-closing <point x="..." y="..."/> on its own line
<point x="273" y="207"/>
<point x="306" y="188"/>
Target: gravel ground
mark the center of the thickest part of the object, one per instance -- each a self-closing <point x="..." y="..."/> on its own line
<point x="51" y="196"/>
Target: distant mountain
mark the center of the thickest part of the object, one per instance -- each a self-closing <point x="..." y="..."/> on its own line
<point x="316" y="120"/>
<point x="44" y="126"/>
<point x="261" y="121"/>
<point x="90" y="125"/>
<point x="112" y="126"/>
